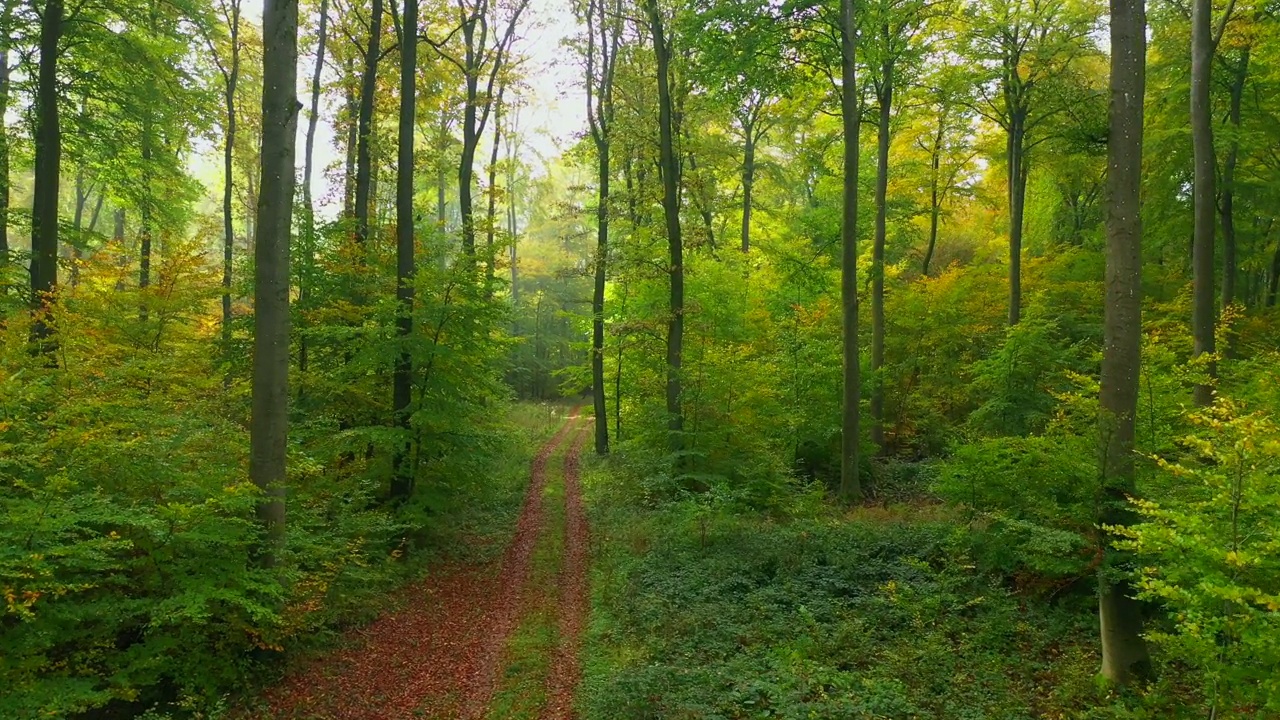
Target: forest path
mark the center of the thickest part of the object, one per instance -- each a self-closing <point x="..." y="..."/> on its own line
<point x="491" y="640"/>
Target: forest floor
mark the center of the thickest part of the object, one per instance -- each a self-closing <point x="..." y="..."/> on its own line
<point x="473" y="640"/>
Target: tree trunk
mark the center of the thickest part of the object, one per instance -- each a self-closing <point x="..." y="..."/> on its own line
<point x="1124" y="652"/>
<point x="511" y="225"/>
<point x="1017" y="205"/>
<point x="97" y="212"/>
<point x="597" y="300"/>
<point x="77" y="225"/>
<point x="146" y="211"/>
<point x="232" y="78"/>
<point x="364" y="159"/>
<point x="748" y="184"/>
<point x="308" y="204"/>
<point x="1229" y="265"/>
<point x="269" y="426"/>
<point x="1203" y="195"/>
<point x="466" y="165"/>
<point x="877" y="256"/>
<point x="5" y="71"/>
<point x="442" y="170"/>
<point x="935" y="202"/>
<point x="351" y="116"/>
<point x="851" y="397"/>
<point x="117" y="236"/>
<point x="402" y="479"/>
<point x="48" y="163"/>
<point x="491" y="228"/>
<point x="675" y="245"/>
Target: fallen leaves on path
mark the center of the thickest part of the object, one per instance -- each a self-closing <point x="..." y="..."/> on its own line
<point x="438" y="656"/>
<point x="566" y="667"/>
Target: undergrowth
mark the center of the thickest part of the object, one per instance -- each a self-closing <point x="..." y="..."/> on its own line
<point x="817" y="613"/>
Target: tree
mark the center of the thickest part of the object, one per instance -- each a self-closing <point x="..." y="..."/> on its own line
<point x="230" y="71"/>
<point x="669" y="167"/>
<point x="850" y="109"/>
<point x="48" y="168"/>
<point x="402" y="482"/>
<point x="308" y="203"/>
<point x="603" y="22"/>
<point x="1026" y="51"/>
<point x="482" y="56"/>
<point x="6" y="31"/>
<point x="1124" y="652"/>
<point x="946" y="142"/>
<point x="890" y="50"/>
<point x="269" y="425"/>
<point x="1204" y="44"/>
<point x="364" y="128"/>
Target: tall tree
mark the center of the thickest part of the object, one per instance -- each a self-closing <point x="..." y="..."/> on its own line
<point x="946" y="142"/>
<point x="1204" y="198"/>
<point x="850" y="110"/>
<point x="486" y="50"/>
<point x="1124" y="652"/>
<point x="364" y="157"/>
<point x="230" y="70"/>
<point x="603" y="22"/>
<point x="896" y="24"/>
<point x="491" y="218"/>
<point x="269" y="425"/>
<point x="48" y="164"/>
<point x="1026" y="52"/>
<point x="6" y="32"/>
<point x="402" y="390"/>
<point x="308" y="203"/>
<point x="669" y="166"/>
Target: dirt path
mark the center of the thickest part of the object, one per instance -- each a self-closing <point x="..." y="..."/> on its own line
<point x="443" y="653"/>
<point x="566" y="669"/>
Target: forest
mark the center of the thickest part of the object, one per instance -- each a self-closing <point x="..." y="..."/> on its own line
<point x="638" y="359"/>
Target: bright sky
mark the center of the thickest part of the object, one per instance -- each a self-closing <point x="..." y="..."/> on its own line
<point x="554" y="109"/>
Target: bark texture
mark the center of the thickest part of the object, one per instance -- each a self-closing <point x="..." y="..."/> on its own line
<point x="671" y="211"/>
<point x="850" y="486"/>
<point x="269" y="424"/>
<point x="1124" y="652"/>
<point x="48" y="164"/>
<point x="402" y="390"/>
<point x="1204" y="198"/>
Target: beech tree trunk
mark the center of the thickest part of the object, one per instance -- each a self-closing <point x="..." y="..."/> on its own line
<point x="351" y="116"/>
<point x="675" y="245"/>
<point x="1016" y="157"/>
<point x="877" y="255"/>
<point x="5" y="85"/>
<point x="269" y="424"/>
<point x="748" y="186"/>
<point x="308" y="204"/>
<point x="364" y="159"/>
<point x="402" y="478"/>
<point x="442" y="172"/>
<point x="48" y="168"/>
<point x="597" y="300"/>
<point x="232" y="79"/>
<point x="511" y="225"/>
<point x="851" y="396"/>
<point x="491" y="228"/>
<point x="470" y="141"/>
<point x="1230" y="266"/>
<point x="1124" y="652"/>
<point x="935" y="199"/>
<point x="603" y="38"/>
<point x="1204" y="197"/>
